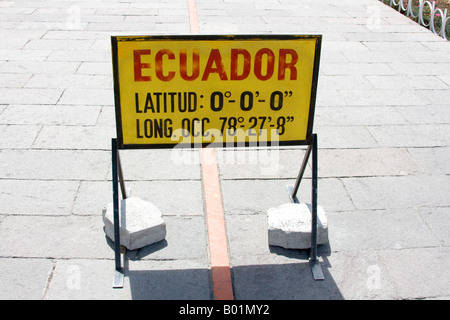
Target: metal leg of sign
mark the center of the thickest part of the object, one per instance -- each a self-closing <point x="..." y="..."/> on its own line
<point x="293" y="189"/>
<point x="118" y="273"/>
<point x="314" y="262"/>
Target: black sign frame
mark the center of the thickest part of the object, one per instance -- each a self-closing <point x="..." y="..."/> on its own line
<point x="281" y="37"/>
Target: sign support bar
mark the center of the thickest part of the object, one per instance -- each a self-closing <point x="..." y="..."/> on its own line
<point x="314" y="262"/>
<point x="116" y="172"/>
<point x="312" y="148"/>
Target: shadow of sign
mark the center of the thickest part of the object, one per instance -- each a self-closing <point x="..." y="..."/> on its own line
<point x="290" y="281"/>
<point x="287" y="280"/>
<point x="181" y="284"/>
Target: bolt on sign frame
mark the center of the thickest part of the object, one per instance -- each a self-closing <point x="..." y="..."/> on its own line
<point x="218" y="91"/>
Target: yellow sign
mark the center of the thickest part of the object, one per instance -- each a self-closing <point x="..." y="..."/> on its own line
<point x="218" y="90"/>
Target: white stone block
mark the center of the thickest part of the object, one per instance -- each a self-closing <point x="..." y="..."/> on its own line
<point x="289" y="226"/>
<point x="141" y="223"/>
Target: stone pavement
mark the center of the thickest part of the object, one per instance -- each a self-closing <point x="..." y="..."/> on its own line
<point x="382" y="119"/>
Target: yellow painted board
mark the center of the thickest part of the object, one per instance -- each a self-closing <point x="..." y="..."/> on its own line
<point x="214" y="90"/>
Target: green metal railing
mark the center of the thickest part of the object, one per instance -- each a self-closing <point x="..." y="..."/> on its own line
<point x="425" y="13"/>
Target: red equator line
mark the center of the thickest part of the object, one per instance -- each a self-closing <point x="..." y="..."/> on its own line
<point x="193" y="17"/>
<point x="215" y="219"/>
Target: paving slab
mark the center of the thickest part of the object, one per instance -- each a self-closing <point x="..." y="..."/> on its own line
<point x="41" y="237"/>
<point x="37" y="197"/>
<point x="18" y="136"/>
<point x="425" y="135"/>
<point x="336" y="137"/>
<point x="72" y="80"/>
<point x="438" y="222"/>
<point x="24" y="279"/>
<point x="42" y="67"/>
<point x="399" y="192"/>
<point x="432" y="160"/>
<point x="429" y="114"/>
<point x="350" y="116"/>
<point x="407" y="82"/>
<point x="54" y="164"/>
<point x="50" y="114"/>
<point x="28" y="96"/>
<point x="79" y="279"/>
<point x="418" y="273"/>
<point x="379" y="230"/>
<point x="256" y="196"/>
<point x="367" y="162"/>
<point x="80" y="55"/>
<point x="85" y="96"/>
<point x="73" y="137"/>
<point x="14" y="80"/>
<point x="384" y="97"/>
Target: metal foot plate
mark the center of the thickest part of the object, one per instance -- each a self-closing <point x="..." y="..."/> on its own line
<point x="316" y="269"/>
<point x="117" y="279"/>
<point x="118" y="276"/>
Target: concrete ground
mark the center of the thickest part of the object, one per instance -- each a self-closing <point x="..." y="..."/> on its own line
<point x="382" y="119"/>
